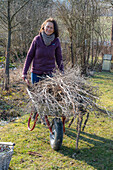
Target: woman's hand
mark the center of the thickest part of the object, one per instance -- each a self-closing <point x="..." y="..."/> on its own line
<point x="24" y="77"/>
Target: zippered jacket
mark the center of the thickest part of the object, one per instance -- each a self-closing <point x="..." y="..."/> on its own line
<point x="44" y="58"/>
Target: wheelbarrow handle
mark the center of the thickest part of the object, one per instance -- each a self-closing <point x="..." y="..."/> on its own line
<point x="7" y="143"/>
<point x="27" y="81"/>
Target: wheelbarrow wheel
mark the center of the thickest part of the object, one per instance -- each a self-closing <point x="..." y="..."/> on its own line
<point x="57" y="137"/>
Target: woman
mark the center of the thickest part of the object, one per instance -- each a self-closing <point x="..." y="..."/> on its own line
<point x="44" y="52"/>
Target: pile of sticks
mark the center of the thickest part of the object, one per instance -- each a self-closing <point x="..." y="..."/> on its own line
<point x="69" y="95"/>
<point x="64" y="94"/>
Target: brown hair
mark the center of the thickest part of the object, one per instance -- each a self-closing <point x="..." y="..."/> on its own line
<point x="56" y="32"/>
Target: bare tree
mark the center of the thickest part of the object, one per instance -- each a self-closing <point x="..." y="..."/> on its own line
<point x="81" y="19"/>
<point x="7" y="18"/>
<point x="29" y="25"/>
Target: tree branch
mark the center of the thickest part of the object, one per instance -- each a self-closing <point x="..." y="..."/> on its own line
<point x="19" y="10"/>
<point x="4" y="28"/>
<point x="15" y="25"/>
<point x="4" y="14"/>
<point x="2" y="19"/>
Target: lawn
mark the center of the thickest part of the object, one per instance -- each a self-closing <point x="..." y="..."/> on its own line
<point x="95" y="144"/>
<point x="104" y="80"/>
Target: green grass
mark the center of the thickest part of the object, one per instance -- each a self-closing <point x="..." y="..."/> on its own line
<point x="104" y="80"/>
<point x="95" y="144"/>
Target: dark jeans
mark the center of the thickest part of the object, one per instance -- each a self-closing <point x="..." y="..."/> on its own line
<point x="35" y="78"/>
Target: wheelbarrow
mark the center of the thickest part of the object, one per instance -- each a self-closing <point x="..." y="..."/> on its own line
<point x="56" y="126"/>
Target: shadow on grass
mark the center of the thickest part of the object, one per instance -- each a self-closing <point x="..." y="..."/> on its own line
<point x="99" y="155"/>
<point x="104" y="76"/>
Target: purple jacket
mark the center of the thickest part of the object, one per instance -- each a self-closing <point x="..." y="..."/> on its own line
<point x="43" y="57"/>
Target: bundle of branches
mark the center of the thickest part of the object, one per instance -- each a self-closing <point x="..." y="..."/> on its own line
<point x="65" y="94"/>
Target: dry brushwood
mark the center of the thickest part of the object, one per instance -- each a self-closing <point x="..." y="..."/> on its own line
<point x="65" y="94"/>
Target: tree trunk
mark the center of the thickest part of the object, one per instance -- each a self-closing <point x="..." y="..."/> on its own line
<point x="84" y="66"/>
<point x="72" y="56"/>
<point x="8" y="50"/>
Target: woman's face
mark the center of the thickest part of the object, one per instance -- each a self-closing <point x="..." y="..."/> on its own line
<point x="49" y="28"/>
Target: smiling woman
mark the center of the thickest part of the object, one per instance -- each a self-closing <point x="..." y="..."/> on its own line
<point x="49" y="28"/>
<point x="44" y="52"/>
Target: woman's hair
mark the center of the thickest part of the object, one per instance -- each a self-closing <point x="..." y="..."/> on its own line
<point x="56" y="32"/>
